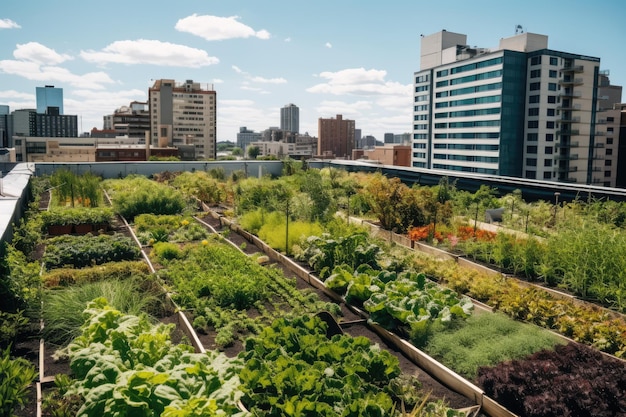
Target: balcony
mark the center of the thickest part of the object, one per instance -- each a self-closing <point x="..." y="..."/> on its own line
<point x="565" y="132"/>
<point x="599" y="145"/>
<point x="601" y="122"/>
<point x="571" y="81"/>
<point x="571" y="107"/>
<point x="573" y="157"/>
<point x="600" y="133"/>
<point x="573" y="68"/>
<point x="569" y="119"/>
<point x="567" y="145"/>
<point x="567" y="169"/>
<point x="570" y="94"/>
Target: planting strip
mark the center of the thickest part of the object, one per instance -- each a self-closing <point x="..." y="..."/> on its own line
<point x="446" y="376"/>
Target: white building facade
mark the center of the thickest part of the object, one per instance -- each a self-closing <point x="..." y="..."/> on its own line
<point x="518" y="110"/>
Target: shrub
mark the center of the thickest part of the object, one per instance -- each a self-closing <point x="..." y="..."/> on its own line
<point x="16" y="375"/>
<point x="167" y="251"/>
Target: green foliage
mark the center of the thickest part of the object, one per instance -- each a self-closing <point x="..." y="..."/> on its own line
<point x="16" y="376"/>
<point x="125" y="365"/>
<point x="486" y="340"/>
<point x="136" y="195"/>
<point x="324" y="253"/>
<point x="291" y="367"/>
<point x="62" y="277"/>
<point x="87" y="250"/>
<point x="205" y="186"/>
<point x="274" y="233"/>
<point x="19" y="281"/>
<point x="11" y="326"/>
<point x="69" y="189"/>
<point x="165" y="251"/>
<point x="76" y="215"/>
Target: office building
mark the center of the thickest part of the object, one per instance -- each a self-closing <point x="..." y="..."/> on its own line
<point x="245" y="137"/>
<point x="290" y="118"/>
<point x="519" y="110"/>
<point x="49" y="100"/>
<point x="336" y="137"/>
<point x="184" y="115"/>
<point x="5" y="129"/>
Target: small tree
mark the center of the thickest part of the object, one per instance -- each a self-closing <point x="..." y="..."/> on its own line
<point x="253" y="152"/>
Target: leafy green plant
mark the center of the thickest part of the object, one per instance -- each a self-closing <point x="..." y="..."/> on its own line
<point x="125" y="365"/>
<point x="81" y="251"/>
<point x="165" y="251"/>
<point x="16" y="376"/>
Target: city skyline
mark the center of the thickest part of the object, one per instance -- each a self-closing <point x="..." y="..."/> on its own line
<point x="351" y="58"/>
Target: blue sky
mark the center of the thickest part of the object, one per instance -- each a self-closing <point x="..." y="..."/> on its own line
<point x="349" y="57"/>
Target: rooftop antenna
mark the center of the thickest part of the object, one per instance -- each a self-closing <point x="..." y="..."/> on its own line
<point x="519" y="29"/>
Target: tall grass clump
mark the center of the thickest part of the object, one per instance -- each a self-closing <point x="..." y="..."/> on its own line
<point x="61" y="320"/>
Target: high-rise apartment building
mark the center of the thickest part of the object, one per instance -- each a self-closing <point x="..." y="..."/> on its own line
<point x="520" y="110"/>
<point x="336" y="137"/>
<point x="49" y="100"/>
<point x="132" y="120"/>
<point x="183" y="115"/>
<point x="290" y="118"/>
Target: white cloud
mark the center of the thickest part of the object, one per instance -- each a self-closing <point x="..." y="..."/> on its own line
<point x="8" y="24"/>
<point x="40" y="54"/>
<point x="287" y="39"/>
<point x="34" y="71"/>
<point x="268" y="80"/>
<point x="153" y="52"/>
<point x="237" y="69"/>
<point x="216" y="28"/>
<point x="328" y="45"/>
<point x="329" y="108"/>
<point x="12" y="94"/>
<point x="359" y="81"/>
<point x="218" y="81"/>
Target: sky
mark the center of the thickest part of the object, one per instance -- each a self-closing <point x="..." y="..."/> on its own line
<point x="350" y="57"/>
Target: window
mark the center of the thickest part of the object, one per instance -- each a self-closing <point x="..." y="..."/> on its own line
<point x="609" y="129"/>
<point x="421" y="78"/>
<point x="609" y="152"/>
<point x="552" y="73"/>
<point x="536" y="60"/>
<point x="551" y="99"/>
<point x="442" y="73"/>
<point x="533" y="99"/>
<point x="551" y="112"/>
<point x="610" y="119"/>
<point x="547" y="162"/>
<point x="535" y="73"/>
<point x="607" y="174"/>
<point x="533" y="124"/>
<point x="547" y="175"/>
<point x="443" y="83"/>
<point x="421" y="88"/>
<point x="441" y="94"/>
<point x="531" y="162"/>
<point x="532" y="137"/>
<point x="534" y="111"/>
<point x="549" y="137"/>
<point x="552" y="86"/>
<point x="548" y="150"/>
<point x="535" y="86"/>
<point x="531" y="149"/>
<point x="609" y="141"/>
<point x="549" y="125"/>
<point x="531" y="175"/>
<point x="554" y="60"/>
<point x="608" y="162"/>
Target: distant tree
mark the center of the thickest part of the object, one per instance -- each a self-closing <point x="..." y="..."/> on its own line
<point x="237" y="151"/>
<point x="253" y="152"/>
